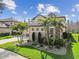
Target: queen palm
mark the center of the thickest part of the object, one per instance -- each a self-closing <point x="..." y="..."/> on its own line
<point x="59" y="28"/>
<point x="48" y="22"/>
<point x="51" y="20"/>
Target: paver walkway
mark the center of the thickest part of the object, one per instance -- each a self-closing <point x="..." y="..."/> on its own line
<point x="5" y="54"/>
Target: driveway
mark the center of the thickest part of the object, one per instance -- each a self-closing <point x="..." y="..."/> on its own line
<point x="5" y="54"/>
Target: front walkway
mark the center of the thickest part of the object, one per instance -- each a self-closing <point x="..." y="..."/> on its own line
<point x="10" y="40"/>
<point x="5" y="54"/>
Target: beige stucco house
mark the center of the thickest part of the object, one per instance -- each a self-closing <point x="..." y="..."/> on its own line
<point x="5" y="25"/>
<point x="36" y="28"/>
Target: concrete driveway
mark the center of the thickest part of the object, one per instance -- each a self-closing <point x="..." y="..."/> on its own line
<point x="5" y="54"/>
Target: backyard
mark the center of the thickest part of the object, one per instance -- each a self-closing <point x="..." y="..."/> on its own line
<point x="32" y="53"/>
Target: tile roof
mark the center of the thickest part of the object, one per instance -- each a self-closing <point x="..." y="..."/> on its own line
<point x="2" y="25"/>
<point x="8" y="19"/>
<point x="37" y="20"/>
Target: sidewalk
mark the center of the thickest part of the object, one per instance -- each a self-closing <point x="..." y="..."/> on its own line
<point x="10" y="40"/>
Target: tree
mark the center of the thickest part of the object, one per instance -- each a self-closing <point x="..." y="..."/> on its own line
<point x="52" y="20"/>
<point x="19" y="28"/>
<point x="49" y="21"/>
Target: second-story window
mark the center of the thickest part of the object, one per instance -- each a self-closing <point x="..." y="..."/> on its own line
<point x="42" y="29"/>
<point x="37" y="29"/>
<point x="32" y="29"/>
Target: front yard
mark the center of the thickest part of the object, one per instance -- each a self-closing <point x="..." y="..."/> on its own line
<point x="32" y="53"/>
<point x="29" y="52"/>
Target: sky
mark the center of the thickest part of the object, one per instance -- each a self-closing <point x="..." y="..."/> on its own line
<point x="27" y="9"/>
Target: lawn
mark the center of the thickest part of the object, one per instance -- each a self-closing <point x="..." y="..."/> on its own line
<point x="75" y="36"/>
<point x="31" y="53"/>
<point x="27" y="52"/>
<point x="5" y="37"/>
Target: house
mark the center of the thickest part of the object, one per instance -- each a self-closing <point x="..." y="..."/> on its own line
<point x="37" y="30"/>
<point x="5" y="25"/>
<point x="73" y="27"/>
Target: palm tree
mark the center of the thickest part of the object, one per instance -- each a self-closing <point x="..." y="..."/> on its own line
<point x="48" y="22"/>
<point x="59" y="27"/>
<point x="51" y="20"/>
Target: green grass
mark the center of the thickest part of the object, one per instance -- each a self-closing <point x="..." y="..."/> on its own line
<point x="32" y="53"/>
<point x="75" y="36"/>
<point x="29" y="52"/>
<point x="5" y="37"/>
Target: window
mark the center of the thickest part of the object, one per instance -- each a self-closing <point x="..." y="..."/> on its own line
<point x="42" y="29"/>
<point x="51" y="32"/>
<point x="37" y="29"/>
<point x="32" y="29"/>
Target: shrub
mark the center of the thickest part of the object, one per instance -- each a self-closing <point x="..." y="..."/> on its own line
<point x="28" y="40"/>
<point x="51" y="40"/>
<point x="44" y="40"/>
<point x="59" y="42"/>
<point x="16" y="33"/>
<point x="4" y="34"/>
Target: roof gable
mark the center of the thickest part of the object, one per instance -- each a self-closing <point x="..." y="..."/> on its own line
<point x="38" y="18"/>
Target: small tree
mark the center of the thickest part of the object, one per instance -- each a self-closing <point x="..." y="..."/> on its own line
<point x="19" y="28"/>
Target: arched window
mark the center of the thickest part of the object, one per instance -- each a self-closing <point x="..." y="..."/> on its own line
<point x="33" y="36"/>
<point x="40" y="38"/>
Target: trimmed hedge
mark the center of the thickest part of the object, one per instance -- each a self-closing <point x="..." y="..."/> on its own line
<point x="4" y="34"/>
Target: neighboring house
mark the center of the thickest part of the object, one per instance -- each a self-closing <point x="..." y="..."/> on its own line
<point x="37" y="30"/>
<point x="73" y="27"/>
<point x="5" y="25"/>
